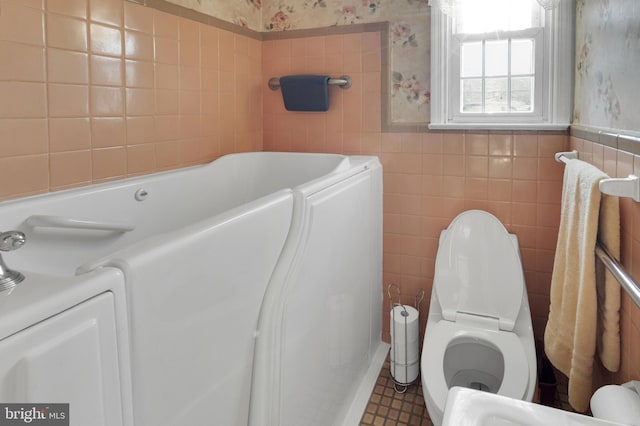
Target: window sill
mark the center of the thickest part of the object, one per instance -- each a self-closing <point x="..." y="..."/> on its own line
<point x="500" y="126"/>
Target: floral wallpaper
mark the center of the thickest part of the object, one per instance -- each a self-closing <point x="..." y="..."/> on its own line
<point x="279" y="15"/>
<point x="410" y="76"/>
<point x="246" y="13"/>
<point x="410" y="42"/>
<point x="607" y="83"/>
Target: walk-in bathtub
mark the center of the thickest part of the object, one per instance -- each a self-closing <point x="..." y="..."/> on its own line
<point x="252" y="285"/>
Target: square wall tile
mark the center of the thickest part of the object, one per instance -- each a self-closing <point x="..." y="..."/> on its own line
<point x="75" y="8"/>
<point x="108" y="163"/>
<point x="23" y="100"/>
<point x="189" y="78"/>
<point x="476" y="143"/>
<point x="66" y="100"/>
<point x="107" y="101"/>
<point x="138" y="45"/>
<point x="138" y="17"/>
<point x="70" y="168"/>
<point x="141" y="130"/>
<point x="23" y="137"/>
<point x="139" y="74"/>
<point x="167" y="76"/>
<point x="525" y="168"/>
<point x="140" y="101"/>
<point x="500" y="144"/>
<point x="21" y="24"/>
<point x="66" y="32"/>
<point x="167" y="127"/>
<point x="166" y="50"/>
<point x="525" y="145"/>
<point x="106" y="71"/>
<point x="141" y="159"/>
<point x="500" y="167"/>
<point x="108" y="132"/>
<point x="21" y="62"/>
<point x="33" y="171"/>
<point x="167" y="102"/>
<point x="106" y="40"/>
<point x="107" y="11"/>
<point x="168" y="154"/>
<point x="209" y="37"/>
<point x="189" y="53"/>
<point x="65" y="66"/>
<point x="165" y="25"/>
<point x="69" y="134"/>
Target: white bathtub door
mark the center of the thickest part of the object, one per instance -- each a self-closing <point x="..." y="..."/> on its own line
<point x="194" y="297"/>
<point x="69" y="358"/>
<point x="333" y="288"/>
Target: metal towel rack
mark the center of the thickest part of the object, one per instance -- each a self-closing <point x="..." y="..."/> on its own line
<point x="344" y="82"/>
<point x="621" y="187"/>
<point x="625" y="187"/>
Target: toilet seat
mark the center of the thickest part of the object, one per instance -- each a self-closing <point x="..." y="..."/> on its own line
<point x="516" y="368"/>
<point x="478" y="270"/>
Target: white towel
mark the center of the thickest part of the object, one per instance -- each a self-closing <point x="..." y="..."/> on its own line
<point x="570" y="335"/>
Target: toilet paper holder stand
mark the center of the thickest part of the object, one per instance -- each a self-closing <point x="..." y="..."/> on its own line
<point x="419" y="297"/>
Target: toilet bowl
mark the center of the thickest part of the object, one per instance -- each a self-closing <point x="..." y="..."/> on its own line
<point x="478" y="332"/>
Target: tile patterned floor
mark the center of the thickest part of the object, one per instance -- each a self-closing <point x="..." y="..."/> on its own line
<point x="389" y="408"/>
<point x="386" y="407"/>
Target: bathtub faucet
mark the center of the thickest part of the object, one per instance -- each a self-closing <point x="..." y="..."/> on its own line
<point x="9" y="241"/>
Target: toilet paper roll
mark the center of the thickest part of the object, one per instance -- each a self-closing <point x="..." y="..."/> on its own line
<point x="404" y="351"/>
<point x="404" y="317"/>
<point x="616" y="403"/>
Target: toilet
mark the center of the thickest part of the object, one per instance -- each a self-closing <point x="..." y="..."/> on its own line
<point x="478" y="332"/>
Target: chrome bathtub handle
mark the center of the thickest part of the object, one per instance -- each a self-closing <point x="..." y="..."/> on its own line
<point x="47" y="221"/>
<point x="12" y="240"/>
<point x="9" y="241"/>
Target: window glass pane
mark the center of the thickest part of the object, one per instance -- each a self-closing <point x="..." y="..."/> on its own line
<point x="476" y="17"/>
<point x="496" y="95"/>
<point x="522" y="56"/>
<point x="522" y="94"/>
<point x="471" y="59"/>
<point x="496" y="58"/>
<point x="471" y="95"/>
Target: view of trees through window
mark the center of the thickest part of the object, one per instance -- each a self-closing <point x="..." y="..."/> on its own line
<point x="497" y="76"/>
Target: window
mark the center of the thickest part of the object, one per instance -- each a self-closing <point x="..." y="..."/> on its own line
<point x="501" y="64"/>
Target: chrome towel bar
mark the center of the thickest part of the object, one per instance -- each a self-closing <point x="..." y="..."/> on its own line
<point x="619" y="273"/>
<point x="344" y="82"/>
<point x="625" y="187"/>
<point x="628" y="187"/>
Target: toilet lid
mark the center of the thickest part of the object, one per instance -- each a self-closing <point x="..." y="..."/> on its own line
<point x="515" y="380"/>
<point x="478" y="270"/>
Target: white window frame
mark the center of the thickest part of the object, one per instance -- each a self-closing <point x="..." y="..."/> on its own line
<point x="553" y="90"/>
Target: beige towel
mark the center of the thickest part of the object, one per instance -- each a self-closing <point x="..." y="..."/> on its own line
<point x="570" y="335"/>
<point x="608" y="289"/>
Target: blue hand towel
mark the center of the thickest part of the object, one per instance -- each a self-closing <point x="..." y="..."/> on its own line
<point x="305" y="92"/>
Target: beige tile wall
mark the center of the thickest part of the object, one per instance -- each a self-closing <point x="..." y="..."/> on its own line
<point x="96" y="90"/>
